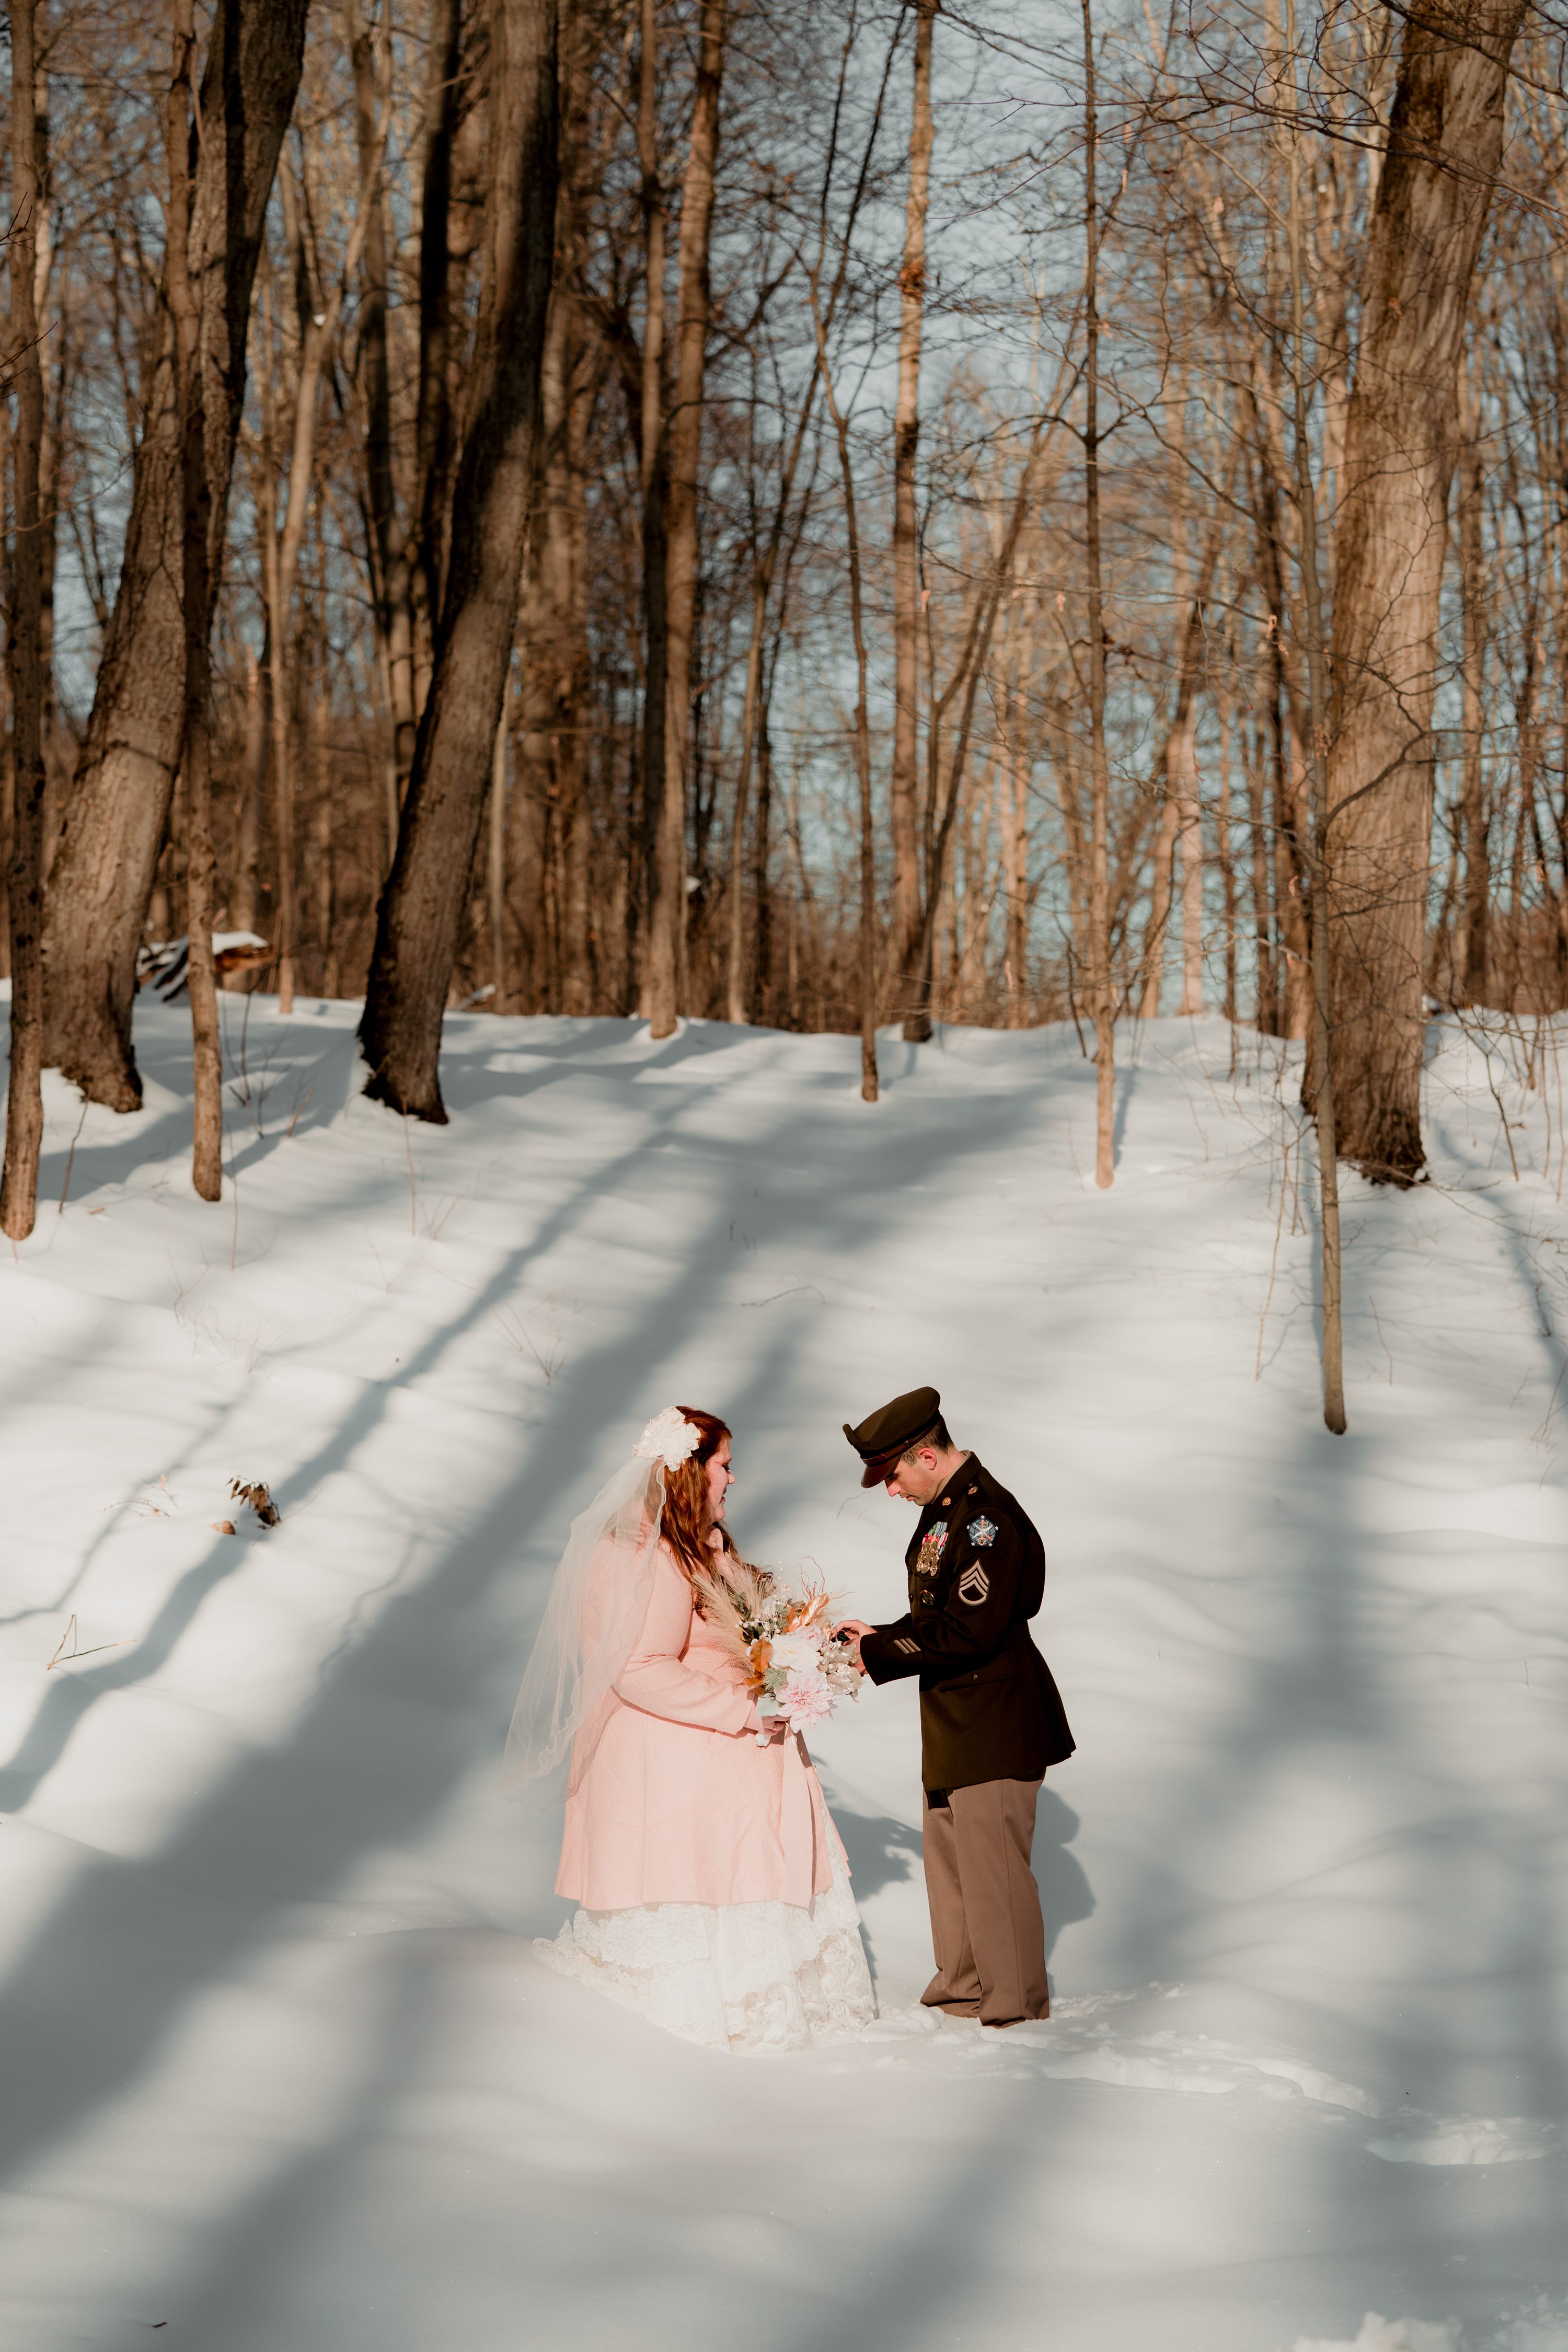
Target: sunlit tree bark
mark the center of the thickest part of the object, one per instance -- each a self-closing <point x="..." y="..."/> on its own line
<point x="1445" y="144"/>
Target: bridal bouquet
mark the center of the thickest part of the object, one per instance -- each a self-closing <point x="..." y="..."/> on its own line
<point x="784" y="1639"/>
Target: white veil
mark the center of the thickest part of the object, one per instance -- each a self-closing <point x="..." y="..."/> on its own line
<point x="597" y="1607"/>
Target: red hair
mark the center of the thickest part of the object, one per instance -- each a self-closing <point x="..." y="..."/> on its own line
<point x="688" y="1521"/>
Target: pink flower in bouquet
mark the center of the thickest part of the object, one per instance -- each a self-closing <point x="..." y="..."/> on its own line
<point x="805" y="1699"/>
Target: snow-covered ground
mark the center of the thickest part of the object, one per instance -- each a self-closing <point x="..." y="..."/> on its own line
<point x="280" y="2068"/>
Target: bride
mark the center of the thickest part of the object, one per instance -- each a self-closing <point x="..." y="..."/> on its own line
<point x="713" y="1890"/>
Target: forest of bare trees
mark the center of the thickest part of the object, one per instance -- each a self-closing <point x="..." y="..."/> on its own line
<point x="821" y="516"/>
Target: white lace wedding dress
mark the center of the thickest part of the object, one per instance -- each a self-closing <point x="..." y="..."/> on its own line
<point x="736" y="1976"/>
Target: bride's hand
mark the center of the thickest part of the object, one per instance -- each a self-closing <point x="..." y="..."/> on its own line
<point x="772" y="1730"/>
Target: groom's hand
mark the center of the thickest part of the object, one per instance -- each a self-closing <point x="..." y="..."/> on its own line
<point x="851" y="1631"/>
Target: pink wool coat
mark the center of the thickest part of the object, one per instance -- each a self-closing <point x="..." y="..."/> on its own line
<point x="678" y="1804"/>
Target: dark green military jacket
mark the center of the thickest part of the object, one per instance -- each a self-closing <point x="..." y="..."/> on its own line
<point x="989" y="1707"/>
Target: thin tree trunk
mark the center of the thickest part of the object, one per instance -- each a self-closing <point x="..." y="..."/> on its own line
<point x="735" y="956"/>
<point x="867" y="956"/>
<point x="1190" y="843"/>
<point x="321" y="842"/>
<point x="762" y="833"/>
<point x="389" y="542"/>
<point x="197" y="599"/>
<point x="23" y="656"/>
<point x="498" y="864"/>
<point x="655" y="481"/>
<point x="318" y="330"/>
<point x="1286" y="765"/>
<point x="1179" y="811"/>
<point x="51" y="442"/>
<point x="1160" y="894"/>
<point x="1323" y="1052"/>
<point x="756" y="700"/>
<point x="553" y="764"/>
<point x="1226" y="857"/>
<point x="1445" y="144"/>
<point x="1473" y="978"/>
<point x="666" y="945"/>
<point x="1266" y="998"/>
<point x="7" y="739"/>
<point x="423" y="902"/>
<point x="248" y="816"/>
<point x="905" y="790"/>
<point x="433" y="423"/>
<point x="1016" y="836"/>
<point x="1099" y="872"/>
<point x="119" y="807"/>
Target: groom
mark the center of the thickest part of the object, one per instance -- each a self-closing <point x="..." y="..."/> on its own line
<point x="991" y="1719"/>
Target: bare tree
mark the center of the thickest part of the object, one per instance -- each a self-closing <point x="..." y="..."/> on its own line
<point x="1445" y="144"/>
<point x="1101" y="983"/>
<point x="24" y="656"/>
<point x="905" y="794"/>
<point x="124" y="777"/>
<point x="667" y="941"/>
<point x="423" y="903"/>
<point x="197" y="602"/>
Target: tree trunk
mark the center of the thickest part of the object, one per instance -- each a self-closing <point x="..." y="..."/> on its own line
<point x="1444" y="141"/>
<point x="1159" y="888"/>
<point x="119" y="803"/>
<point x="424" y="898"/>
<point x="243" y="909"/>
<point x="433" y="425"/>
<point x="196" y="603"/>
<point x="1016" y="967"/>
<point x="23" y="655"/>
<point x="654" y="458"/>
<point x="1265" y="991"/>
<point x="1473" y="977"/>
<point x="389" y="541"/>
<point x="667" y="944"/>
<point x="553" y="767"/>
<point x="1323" y="1056"/>
<point x="317" y="322"/>
<point x="905" y="784"/>
<point x="496" y="878"/>
<point x="762" y="844"/>
<point x="1099" y="867"/>
<point x="1190" y="847"/>
<point x="322" y="876"/>
<point x="1226" y="857"/>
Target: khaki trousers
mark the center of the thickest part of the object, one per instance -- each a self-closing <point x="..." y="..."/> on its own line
<point x="986" y="1923"/>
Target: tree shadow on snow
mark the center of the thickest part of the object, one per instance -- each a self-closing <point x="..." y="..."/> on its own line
<point x="408" y="1711"/>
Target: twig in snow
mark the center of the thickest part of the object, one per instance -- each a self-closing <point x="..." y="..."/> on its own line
<point x="1502" y="1115"/>
<point x="301" y="1104"/>
<point x="73" y="1654"/>
<point x="234" y="1188"/>
<point x="1386" y="1349"/>
<point x="1274" y="1262"/>
<point x="1539" y="1437"/>
<point x="71" y="1158"/>
<point x="549" y="1365"/>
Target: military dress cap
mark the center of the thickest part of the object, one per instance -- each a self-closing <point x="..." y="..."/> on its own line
<point x="883" y="1436"/>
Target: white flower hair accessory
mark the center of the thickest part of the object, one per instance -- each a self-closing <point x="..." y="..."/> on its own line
<point x="669" y="1438"/>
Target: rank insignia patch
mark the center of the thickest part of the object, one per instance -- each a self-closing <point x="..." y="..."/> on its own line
<point x="982" y="1532"/>
<point x="927" y="1560"/>
<point x="973" y="1585"/>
